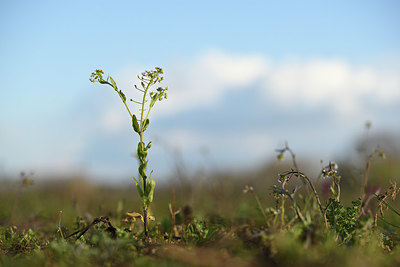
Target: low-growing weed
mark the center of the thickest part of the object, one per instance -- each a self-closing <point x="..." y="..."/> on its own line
<point x="343" y="220"/>
<point x="15" y="243"/>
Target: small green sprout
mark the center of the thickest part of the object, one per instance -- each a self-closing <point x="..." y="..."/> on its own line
<point x="145" y="184"/>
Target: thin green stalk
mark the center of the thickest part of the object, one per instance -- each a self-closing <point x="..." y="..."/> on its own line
<point x="260" y="207"/>
<point x="127" y="108"/>
<point x="391" y="224"/>
<point x="123" y="100"/>
<point x="283" y="211"/>
<point x="145" y="221"/>
<point x="59" y="229"/>
<point x="391" y="208"/>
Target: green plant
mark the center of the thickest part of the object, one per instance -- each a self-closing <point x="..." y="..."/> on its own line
<point x="347" y="222"/>
<point x="145" y="184"/>
<point x="284" y="178"/>
<point x="199" y="232"/>
<point x="343" y="220"/>
<point x="16" y="243"/>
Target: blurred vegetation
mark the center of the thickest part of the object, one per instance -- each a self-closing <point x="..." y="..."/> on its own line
<point x="236" y="219"/>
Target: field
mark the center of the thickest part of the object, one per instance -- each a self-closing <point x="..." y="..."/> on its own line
<point x="212" y="219"/>
<point x="200" y="133"/>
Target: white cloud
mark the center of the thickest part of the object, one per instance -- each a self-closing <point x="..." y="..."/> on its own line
<point x="206" y="79"/>
<point x="312" y="81"/>
<point x="345" y="89"/>
<point x="330" y="83"/>
<point x="338" y="85"/>
<point x="194" y="83"/>
<point x="388" y="87"/>
<point x="315" y="83"/>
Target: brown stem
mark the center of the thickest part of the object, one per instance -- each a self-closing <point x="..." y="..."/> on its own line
<point x="146" y="232"/>
<point x="365" y="180"/>
<point x="295" y="162"/>
<point x="173" y="208"/>
<point x="293" y="158"/>
<point x="300" y="174"/>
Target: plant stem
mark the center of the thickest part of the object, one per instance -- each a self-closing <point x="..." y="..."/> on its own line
<point x="143" y="161"/>
<point x="300" y="174"/>
<point x="142" y="111"/>
<point x="283" y="211"/>
<point x="59" y="229"/>
<point x="173" y="208"/>
<point x="365" y="180"/>
<point x="146" y="233"/>
<point x="260" y="207"/>
<point x="293" y="156"/>
<point x="127" y="108"/>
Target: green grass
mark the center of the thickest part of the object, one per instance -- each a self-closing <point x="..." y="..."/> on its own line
<point x="215" y="223"/>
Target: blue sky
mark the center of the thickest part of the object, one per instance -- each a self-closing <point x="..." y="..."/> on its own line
<point x="243" y="78"/>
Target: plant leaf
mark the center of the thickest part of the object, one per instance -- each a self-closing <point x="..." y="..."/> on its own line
<point x="135" y="124"/>
<point x="142" y="169"/>
<point x="122" y="95"/>
<point x="148" y="146"/>
<point x="113" y="84"/>
<point x="139" y="188"/>
<point x="146" y="124"/>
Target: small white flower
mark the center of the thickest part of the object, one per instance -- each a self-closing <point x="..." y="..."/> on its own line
<point x="248" y="189"/>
